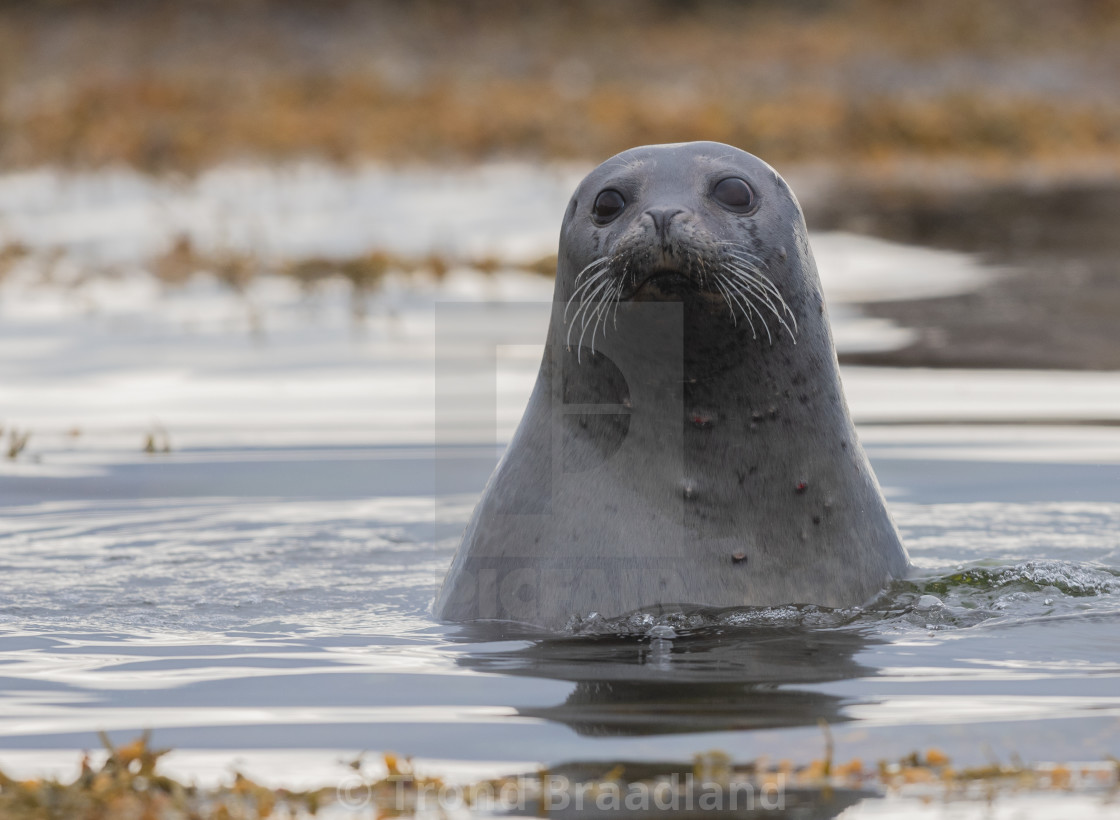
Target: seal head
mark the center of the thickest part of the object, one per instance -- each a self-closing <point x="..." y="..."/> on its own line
<point x="687" y="440"/>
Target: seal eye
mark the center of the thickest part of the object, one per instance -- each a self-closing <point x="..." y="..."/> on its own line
<point x="608" y="205"/>
<point x="734" y="193"/>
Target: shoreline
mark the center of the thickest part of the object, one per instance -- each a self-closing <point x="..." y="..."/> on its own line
<point x="865" y="83"/>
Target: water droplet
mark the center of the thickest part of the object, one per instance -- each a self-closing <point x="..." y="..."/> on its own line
<point x="661" y="632"/>
<point x="738" y="557"/>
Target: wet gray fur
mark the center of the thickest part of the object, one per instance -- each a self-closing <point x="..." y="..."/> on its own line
<point x="687" y="440"/>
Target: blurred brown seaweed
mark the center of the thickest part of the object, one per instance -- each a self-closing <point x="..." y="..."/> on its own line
<point x="165" y="86"/>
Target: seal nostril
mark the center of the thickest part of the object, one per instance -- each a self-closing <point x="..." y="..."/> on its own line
<point x="661" y="218"/>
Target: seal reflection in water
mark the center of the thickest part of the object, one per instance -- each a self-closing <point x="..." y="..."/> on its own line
<point x="687" y="440"/>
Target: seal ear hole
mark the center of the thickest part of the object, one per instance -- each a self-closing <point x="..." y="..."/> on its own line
<point x="608" y="205"/>
<point x="734" y="194"/>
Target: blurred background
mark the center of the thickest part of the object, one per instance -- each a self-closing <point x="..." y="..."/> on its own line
<point x="992" y="128"/>
<point x="165" y="87"/>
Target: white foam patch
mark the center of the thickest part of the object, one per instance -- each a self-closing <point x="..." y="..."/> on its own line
<point x="94" y="364"/>
<point x="511" y="210"/>
<point x="880" y="394"/>
<point x="859" y="269"/>
<point x="122" y="217"/>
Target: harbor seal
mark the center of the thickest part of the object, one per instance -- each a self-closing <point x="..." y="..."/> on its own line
<point x="687" y="440"/>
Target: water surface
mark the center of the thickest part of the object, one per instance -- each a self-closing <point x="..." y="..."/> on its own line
<point x="261" y="592"/>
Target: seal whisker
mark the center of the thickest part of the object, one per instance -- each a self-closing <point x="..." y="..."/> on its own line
<point x="741" y="248"/>
<point x="592" y="296"/>
<point x="696" y="263"/>
<point x="764" y="282"/>
<point x="778" y="294"/>
<point x="584" y="306"/>
<point x="753" y="288"/>
<point x="596" y="268"/>
<point x="752" y="263"/>
<point x="777" y="314"/>
<point x="602" y="312"/>
<point x="590" y="280"/>
<point x="590" y="265"/>
<point x="582" y="289"/>
<point x="583" y="332"/>
<point x="617" y="300"/>
<point x="746" y="296"/>
<point x="744" y="303"/>
<point x="603" y="317"/>
<point x="575" y="316"/>
<point x="756" y="288"/>
<point x="722" y="288"/>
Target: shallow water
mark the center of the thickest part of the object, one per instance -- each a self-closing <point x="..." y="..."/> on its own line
<point x="261" y="592"/>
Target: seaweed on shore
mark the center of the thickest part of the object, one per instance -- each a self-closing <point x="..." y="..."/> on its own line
<point x="175" y="88"/>
<point x="128" y="786"/>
